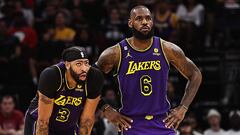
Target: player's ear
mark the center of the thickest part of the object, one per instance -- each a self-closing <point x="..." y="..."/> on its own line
<point x="129" y="23"/>
<point x="67" y="64"/>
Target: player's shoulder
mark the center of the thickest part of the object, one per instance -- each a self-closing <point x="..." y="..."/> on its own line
<point x="94" y="70"/>
<point x="110" y="55"/>
<point x="112" y="49"/>
<point x="95" y="73"/>
<point x="52" y="71"/>
<point x="169" y="46"/>
<point x="171" y="50"/>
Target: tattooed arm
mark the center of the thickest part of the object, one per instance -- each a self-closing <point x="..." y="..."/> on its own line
<point x="45" y="107"/>
<point x="189" y="70"/>
<point x="109" y="59"/>
<point x="88" y="115"/>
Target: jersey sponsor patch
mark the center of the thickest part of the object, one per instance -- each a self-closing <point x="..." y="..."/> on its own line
<point x="79" y="88"/>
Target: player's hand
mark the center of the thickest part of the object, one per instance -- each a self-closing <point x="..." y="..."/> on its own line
<point x="119" y="121"/>
<point x="175" y="117"/>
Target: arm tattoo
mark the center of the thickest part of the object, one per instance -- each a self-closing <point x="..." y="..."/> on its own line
<point x="181" y="62"/>
<point x="109" y="59"/>
<point x="45" y="99"/>
<point x="189" y="70"/>
<point x="42" y="127"/>
<point x="85" y="126"/>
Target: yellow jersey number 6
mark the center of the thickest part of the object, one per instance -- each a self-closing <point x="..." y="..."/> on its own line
<point x="63" y="115"/>
<point x="146" y="86"/>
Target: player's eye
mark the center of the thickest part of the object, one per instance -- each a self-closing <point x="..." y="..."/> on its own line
<point x="148" y="18"/>
<point x="86" y="63"/>
<point x="138" y="18"/>
<point x="78" y="64"/>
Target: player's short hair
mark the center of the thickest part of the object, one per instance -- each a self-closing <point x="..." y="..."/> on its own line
<point x="137" y="7"/>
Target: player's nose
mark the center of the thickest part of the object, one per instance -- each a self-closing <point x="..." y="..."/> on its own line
<point x="144" y="21"/>
<point x="85" y="68"/>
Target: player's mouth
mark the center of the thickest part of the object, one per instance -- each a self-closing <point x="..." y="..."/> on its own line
<point x="145" y="29"/>
<point x="83" y="76"/>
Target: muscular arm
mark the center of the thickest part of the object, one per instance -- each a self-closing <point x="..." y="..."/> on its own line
<point x="87" y="117"/>
<point x="187" y="68"/>
<point x="109" y="59"/>
<point x="45" y="107"/>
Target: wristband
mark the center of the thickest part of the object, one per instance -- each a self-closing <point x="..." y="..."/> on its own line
<point x="105" y="107"/>
<point x="185" y="107"/>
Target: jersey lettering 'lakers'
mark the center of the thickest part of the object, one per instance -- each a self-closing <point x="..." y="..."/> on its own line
<point x="142" y="77"/>
<point x="145" y="65"/>
<point x="68" y="103"/>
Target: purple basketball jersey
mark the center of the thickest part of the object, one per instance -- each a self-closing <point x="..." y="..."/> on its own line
<point x="142" y="77"/>
<point x="68" y="105"/>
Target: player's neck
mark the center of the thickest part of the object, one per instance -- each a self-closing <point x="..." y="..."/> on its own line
<point x="70" y="81"/>
<point x="140" y="44"/>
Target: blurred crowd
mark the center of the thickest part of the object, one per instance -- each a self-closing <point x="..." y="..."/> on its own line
<point x="33" y="34"/>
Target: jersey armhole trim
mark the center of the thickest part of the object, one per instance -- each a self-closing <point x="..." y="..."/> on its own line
<point x="121" y="95"/>
<point x="161" y="45"/>
<point x="86" y="89"/>
<point x="60" y="72"/>
<point x="120" y="60"/>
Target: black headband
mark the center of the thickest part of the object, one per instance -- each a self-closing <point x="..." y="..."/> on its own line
<point x="74" y="53"/>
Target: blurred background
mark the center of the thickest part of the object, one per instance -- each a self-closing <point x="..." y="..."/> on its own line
<point x="33" y="34"/>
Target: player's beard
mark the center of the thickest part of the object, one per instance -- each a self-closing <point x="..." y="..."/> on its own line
<point x="75" y="76"/>
<point x="139" y="35"/>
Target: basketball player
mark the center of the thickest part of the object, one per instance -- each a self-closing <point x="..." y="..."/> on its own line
<point x="142" y="64"/>
<point x="68" y="93"/>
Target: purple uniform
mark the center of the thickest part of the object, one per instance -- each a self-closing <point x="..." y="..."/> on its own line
<point x="68" y="103"/>
<point x="142" y="77"/>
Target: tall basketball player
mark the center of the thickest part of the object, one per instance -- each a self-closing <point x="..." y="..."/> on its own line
<point x="142" y="64"/>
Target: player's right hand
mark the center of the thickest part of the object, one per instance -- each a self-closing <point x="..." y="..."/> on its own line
<point x="120" y="121"/>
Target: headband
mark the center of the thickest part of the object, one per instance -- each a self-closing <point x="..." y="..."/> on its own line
<point x="74" y="53"/>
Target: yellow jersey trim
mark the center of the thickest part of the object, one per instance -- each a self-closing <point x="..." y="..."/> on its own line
<point x="86" y="90"/>
<point x="67" y="83"/>
<point x="120" y="91"/>
<point x="139" y="49"/>
<point x="60" y="72"/>
<point x="161" y="45"/>
<point x="120" y="60"/>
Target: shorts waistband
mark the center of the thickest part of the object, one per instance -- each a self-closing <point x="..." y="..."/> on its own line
<point x="149" y="116"/>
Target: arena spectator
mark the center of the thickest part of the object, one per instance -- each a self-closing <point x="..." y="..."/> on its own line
<point x="11" y="119"/>
<point x="214" y="121"/>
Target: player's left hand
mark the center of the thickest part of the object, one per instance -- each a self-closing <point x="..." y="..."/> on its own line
<point x="175" y="117"/>
<point x="120" y="121"/>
